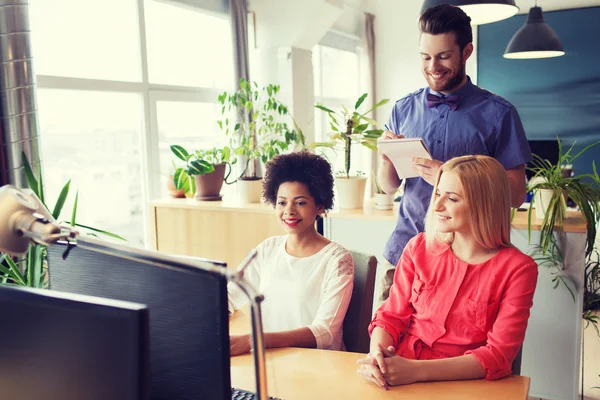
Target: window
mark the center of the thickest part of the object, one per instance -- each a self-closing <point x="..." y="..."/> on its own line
<point x="101" y="156"/>
<point x="112" y="98"/>
<point x="338" y="81"/>
<point x="86" y="39"/>
<point x="188" y="48"/>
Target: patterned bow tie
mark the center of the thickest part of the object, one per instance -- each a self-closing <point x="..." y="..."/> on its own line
<point x="434" y="101"/>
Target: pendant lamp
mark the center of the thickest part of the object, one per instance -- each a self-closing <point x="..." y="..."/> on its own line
<point x="535" y="39"/>
<point x="480" y="11"/>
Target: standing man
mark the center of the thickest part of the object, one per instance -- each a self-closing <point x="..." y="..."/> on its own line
<point x="454" y="118"/>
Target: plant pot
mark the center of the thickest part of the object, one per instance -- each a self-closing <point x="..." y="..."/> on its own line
<point x="384" y="201"/>
<point x="173" y="192"/>
<point x="249" y="190"/>
<point x="542" y="199"/>
<point x="350" y="191"/>
<point x="208" y="186"/>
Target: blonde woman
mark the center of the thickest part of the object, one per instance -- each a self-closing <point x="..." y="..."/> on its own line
<point x="462" y="293"/>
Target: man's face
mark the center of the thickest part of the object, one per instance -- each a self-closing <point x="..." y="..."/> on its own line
<point x="443" y="62"/>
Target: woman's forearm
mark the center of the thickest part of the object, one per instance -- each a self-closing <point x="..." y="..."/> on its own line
<point x="301" y="337"/>
<point x="379" y="337"/>
<point x="450" y="369"/>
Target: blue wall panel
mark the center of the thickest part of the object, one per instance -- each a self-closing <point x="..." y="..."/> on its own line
<point x="554" y="96"/>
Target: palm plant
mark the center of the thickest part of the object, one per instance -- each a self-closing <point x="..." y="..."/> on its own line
<point x="348" y="127"/>
<point x="31" y="271"/>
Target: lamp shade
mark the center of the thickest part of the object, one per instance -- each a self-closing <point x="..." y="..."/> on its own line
<point x="535" y="39"/>
<point x="480" y="11"/>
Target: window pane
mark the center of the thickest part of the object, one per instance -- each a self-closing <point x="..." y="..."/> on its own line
<point x="86" y="39"/>
<point x="93" y="138"/>
<point x="339" y="73"/>
<point x="192" y="125"/>
<point x="187" y="47"/>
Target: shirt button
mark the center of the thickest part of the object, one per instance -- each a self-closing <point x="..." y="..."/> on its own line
<point x="439" y="141"/>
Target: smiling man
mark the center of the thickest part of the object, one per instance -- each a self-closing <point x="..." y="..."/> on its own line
<point x="454" y="118"/>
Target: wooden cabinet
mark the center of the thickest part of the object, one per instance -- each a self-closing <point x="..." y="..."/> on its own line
<point x="215" y="230"/>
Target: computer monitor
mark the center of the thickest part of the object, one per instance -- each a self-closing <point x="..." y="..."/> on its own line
<point x="546" y="149"/>
<point x="187" y="301"/>
<point x="59" y="346"/>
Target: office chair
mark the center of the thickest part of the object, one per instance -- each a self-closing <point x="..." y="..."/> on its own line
<point x="516" y="365"/>
<point x="358" y="316"/>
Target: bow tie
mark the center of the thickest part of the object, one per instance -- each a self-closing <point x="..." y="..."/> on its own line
<point x="434" y="101"/>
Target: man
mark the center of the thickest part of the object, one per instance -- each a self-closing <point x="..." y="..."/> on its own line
<point x="454" y="118"/>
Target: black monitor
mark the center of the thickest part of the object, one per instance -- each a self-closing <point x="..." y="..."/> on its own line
<point x="59" y="346"/>
<point x="546" y="149"/>
<point x="189" y="321"/>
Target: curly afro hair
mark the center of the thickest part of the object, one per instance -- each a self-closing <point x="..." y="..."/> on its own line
<point x="304" y="167"/>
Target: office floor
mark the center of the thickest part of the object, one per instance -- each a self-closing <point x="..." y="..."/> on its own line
<point x="591" y="370"/>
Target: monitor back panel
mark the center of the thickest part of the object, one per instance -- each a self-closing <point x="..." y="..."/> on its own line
<point x="60" y="348"/>
<point x="189" y="331"/>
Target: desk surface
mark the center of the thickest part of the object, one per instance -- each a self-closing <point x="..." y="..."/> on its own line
<point x="295" y="374"/>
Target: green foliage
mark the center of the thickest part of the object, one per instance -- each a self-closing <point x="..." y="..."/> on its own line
<point x="348" y="127"/>
<point x="378" y="188"/>
<point x="583" y="189"/>
<point x="198" y="162"/>
<point x="254" y="121"/>
<point x="31" y="271"/>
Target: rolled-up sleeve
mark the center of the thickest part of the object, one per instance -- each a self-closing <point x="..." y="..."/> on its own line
<point x="334" y="304"/>
<point x="394" y="314"/>
<point x="508" y="332"/>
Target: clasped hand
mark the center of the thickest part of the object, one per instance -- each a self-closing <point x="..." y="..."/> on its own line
<point x="384" y="368"/>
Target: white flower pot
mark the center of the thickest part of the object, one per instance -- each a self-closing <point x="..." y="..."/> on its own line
<point x="384" y="201"/>
<point x="350" y="192"/>
<point x="249" y="191"/>
<point x="542" y="200"/>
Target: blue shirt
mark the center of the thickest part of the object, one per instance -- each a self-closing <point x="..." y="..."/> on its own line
<point x="483" y="123"/>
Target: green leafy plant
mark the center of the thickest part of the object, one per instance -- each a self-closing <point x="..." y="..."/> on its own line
<point x="583" y="189"/>
<point x="31" y="270"/>
<point x="257" y="129"/>
<point x="348" y="127"/>
<point x="197" y="162"/>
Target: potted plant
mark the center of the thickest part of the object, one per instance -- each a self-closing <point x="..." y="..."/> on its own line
<point x="383" y="200"/>
<point x="255" y="122"/>
<point x="551" y="188"/>
<point x="31" y="270"/>
<point x="347" y="128"/>
<point x="204" y="171"/>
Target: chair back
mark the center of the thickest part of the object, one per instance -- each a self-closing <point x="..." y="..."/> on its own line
<point x="360" y="310"/>
<point x="516" y="365"/>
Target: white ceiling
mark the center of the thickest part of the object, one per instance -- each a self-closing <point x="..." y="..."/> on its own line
<point x="549" y="5"/>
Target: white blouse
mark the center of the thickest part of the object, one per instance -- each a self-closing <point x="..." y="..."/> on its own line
<point x="311" y="292"/>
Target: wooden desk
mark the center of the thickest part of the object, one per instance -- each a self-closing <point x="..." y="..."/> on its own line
<point x="299" y="374"/>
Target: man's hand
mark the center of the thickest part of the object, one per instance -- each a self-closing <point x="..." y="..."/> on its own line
<point x="427" y="169"/>
<point x="239" y="344"/>
<point x="389" y="135"/>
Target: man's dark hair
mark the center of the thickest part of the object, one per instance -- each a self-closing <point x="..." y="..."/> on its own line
<point x="446" y="19"/>
<point x="308" y="168"/>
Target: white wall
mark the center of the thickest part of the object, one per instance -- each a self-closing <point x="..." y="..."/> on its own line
<point x="397" y="52"/>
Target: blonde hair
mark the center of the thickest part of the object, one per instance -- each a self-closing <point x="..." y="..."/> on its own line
<point x="487" y="194"/>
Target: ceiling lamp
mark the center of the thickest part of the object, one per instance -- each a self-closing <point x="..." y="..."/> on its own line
<point x="535" y="39"/>
<point x="480" y="11"/>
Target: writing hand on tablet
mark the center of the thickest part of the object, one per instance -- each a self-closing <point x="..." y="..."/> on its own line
<point x="389" y="135"/>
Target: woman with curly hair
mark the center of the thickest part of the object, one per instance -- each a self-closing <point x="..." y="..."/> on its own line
<point x="306" y="279"/>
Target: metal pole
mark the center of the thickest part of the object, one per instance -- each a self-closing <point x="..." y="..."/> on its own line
<point x="18" y="116"/>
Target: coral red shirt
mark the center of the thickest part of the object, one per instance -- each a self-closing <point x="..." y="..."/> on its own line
<point x="440" y="306"/>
